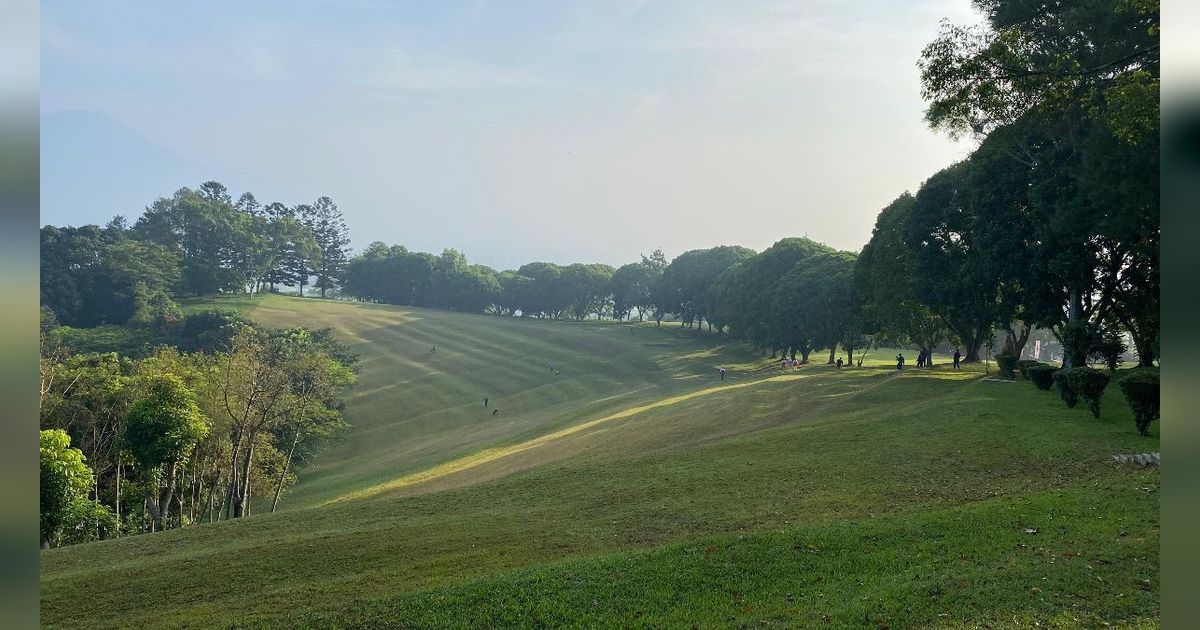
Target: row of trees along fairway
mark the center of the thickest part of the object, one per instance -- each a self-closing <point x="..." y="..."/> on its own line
<point x="177" y="438"/>
<point x="1053" y="221"/>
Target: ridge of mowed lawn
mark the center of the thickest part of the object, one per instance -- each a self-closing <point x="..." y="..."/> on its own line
<point x="913" y="490"/>
<point x="412" y="409"/>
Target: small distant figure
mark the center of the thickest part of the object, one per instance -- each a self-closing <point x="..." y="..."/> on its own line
<point x="485" y="402"/>
<point x="432" y="349"/>
<point x="957" y="357"/>
<point x="839" y="363"/>
<point x="495" y="412"/>
<point x="722" y="374"/>
<point x="899" y="361"/>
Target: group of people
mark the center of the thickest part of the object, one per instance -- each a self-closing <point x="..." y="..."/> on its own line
<point x="789" y="364"/>
<point x="925" y="359"/>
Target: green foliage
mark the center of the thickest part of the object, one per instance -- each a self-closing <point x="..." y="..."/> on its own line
<point x="1100" y="57"/>
<point x="688" y="286"/>
<point x="1141" y="390"/>
<point x="1062" y="383"/>
<point x="87" y="520"/>
<point x="1023" y="366"/>
<point x="92" y="276"/>
<point x="1109" y="348"/>
<point x="1007" y="364"/>
<point x="1088" y="383"/>
<point x="1041" y="375"/>
<point x="887" y="282"/>
<point x="165" y="424"/>
<point x="64" y="476"/>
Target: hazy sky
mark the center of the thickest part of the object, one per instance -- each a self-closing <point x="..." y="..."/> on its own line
<point x="514" y="131"/>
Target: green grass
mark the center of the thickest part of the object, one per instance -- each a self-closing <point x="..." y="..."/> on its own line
<point x="851" y="497"/>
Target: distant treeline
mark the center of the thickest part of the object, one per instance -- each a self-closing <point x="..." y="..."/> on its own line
<point x="196" y="242"/>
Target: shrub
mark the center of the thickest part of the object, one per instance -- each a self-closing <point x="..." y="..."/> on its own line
<point x="1023" y="367"/>
<point x="1088" y="384"/>
<point x="1141" y="390"/>
<point x="1007" y="363"/>
<point x="1108" y="349"/>
<point x="1064" y="387"/>
<point x="1042" y="375"/>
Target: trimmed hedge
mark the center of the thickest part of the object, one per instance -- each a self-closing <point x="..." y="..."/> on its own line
<point x="1041" y="374"/>
<point x="1007" y="364"/>
<point x="1141" y="389"/>
<point x="1088" y="384"/>
<point x="1023" y="367"/>
<point x="1064" y="387"/>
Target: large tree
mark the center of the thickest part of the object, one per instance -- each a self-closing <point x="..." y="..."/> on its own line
<point x="958" y="280"/>
<point x="887" y="281"/>
<point x="333" y="240"/>
<point x="687" y="284"/>
<point x="163" y="428"/>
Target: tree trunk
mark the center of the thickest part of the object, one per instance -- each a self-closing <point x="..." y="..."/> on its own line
<point x="231" y="492"/>
<point x="287" y="463"/>
<point x="168" y="495"/>
<point x="832" y="355"/>
<point x="850" y="355"/>
<point x="118" y="501"/>
<point x="240" y="501"/>
<point x="804" y="354"/>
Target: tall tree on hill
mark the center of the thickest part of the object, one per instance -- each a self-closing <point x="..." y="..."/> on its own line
<point x="333" y="239"/>
<point x="205" y="229"/>
<point x="747" y="295"/>
<point x="585" y="288"/>
<point x="959" y="282"/>
<point x="299" y="268"/>
<point x="887" y="279"/>
<point x="688" y="283"/>
<point x="631" y="288"/>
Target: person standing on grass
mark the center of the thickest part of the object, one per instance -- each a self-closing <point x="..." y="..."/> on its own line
<point x="485" y="401"/>
<point x="899" y="361"/>
<point x="957" y="356"/>
<point x="722" y="374"/>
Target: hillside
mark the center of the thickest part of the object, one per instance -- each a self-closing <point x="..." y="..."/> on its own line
<point x="635" y="488"/>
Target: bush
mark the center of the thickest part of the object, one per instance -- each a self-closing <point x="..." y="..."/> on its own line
<point x="1064" y="387"/>
<point x="1141" y="390"/>
<point x="1023" y="367"/>
<point x="87" y="521"/>
<point x="1007" y="363"/>
<point x="1108" y="349"/>
<point x="1088" y="384"/>
<point x="1042" y="375"/>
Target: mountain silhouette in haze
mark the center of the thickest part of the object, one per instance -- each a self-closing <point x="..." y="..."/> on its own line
<point x="93" y="168"/>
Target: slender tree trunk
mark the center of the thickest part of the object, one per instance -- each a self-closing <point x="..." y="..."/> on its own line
<point x="117" y="503"/>
<point x="240" y="502"/>
<point x="231" y="493"/>
<point x="287" y="463"/>
<point x="832" y="355"/>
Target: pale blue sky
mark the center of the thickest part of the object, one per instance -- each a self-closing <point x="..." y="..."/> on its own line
<point x="514" y="131"/>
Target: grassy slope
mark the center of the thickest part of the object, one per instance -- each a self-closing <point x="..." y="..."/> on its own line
<point x="852" y="496"/>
